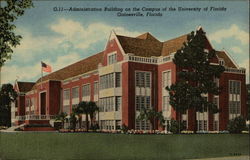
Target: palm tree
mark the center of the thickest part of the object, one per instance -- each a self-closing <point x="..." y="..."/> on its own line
<point x="84" y="108"/>
<point x="73" y="121"/>
<point x="78" y="112"/>
<point x="62" y="116"/>
<point x="152" y="116"/>
<point x="92" y="109"/>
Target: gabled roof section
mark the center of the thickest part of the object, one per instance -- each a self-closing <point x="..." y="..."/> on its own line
<point x="144" y="45"/>
<point x="228" y="62"/>
<point x="78" y="68"/>
<point x="147" y="36"/>
<point x="173" y="45"/>
<point x="25" y="86"/>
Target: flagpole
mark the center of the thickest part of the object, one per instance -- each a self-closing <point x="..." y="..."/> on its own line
<point x="41" y="75"/>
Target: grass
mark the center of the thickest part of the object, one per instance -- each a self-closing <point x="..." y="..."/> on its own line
<point x="93" y="146"/>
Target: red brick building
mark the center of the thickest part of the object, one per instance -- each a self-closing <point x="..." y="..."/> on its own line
<point x="129" y="74"/>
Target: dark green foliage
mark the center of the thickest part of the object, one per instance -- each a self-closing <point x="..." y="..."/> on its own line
<point x="248" y="101"/>
<point x="72" y="120"/>
<point x="61" y="117"/>
<point x="175" y="126"/>
<point x="7" y="95"/>
<point x="195" y="76"/>
<point x="9" y="11"/>
<point x="124" y="128"/>
<point x="94" y="127"/>
<point x="87" y="108"/>
<point x="237" y="125"/>
<point x="151" y="115"/>
<point x="92" y="110"/>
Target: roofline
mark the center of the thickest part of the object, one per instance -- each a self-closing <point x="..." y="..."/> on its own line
<point x="231" y="58"/>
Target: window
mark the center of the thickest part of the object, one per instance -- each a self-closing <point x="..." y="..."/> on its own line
<point x="234" y="97"/>
<point x="112" y="59"/>
<point x="107" y="104"/>
<point x="27" y="102"/>
<point x="142" y="102"/>
<point x="96" y="88"/>
<point x="117" y="79"/>
<point x="86" y="90"/>
<point x="166" y="105"/>
<point x="32" y="101"/>
<point x="142" y="79"/>
<point x="216" y="125"/>
<point x="222" y="62"/>
<point x="216" y="81"/>
<point x="107" y="81"/>
<point x="216" y="101"/>
<point x="147" y="79"/>
<point x="118" y="124"/>
<point x="118" y="103"/>
<point x="142" y="125"/>
<point x="66" y="94"/>
<point x="66" y="109"/>
<point x="166" y="79"/>
<point x="75" y="92"/>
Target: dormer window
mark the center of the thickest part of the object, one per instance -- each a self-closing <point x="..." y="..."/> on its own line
<point x="112" y="58"/>
<point x="222" y="62"/>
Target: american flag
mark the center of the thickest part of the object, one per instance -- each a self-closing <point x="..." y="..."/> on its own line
<point x="46" y="67"/>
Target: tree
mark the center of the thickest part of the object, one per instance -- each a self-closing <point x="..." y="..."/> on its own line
<point x="62" y="116"/>
<point x="78" y="112"/>
<point x="7" y="95"/>
<point x="152" y="116"/>
<point x="175" y="127"/>
<point x="92" y="109"/>
<point x="10" y="10"/>
<point x="195" y="76"/>
<point x="84" y="108"/>
<point x="248" y="101"/>
<point x="72" y="120"/>
<point x="236" y="125"/>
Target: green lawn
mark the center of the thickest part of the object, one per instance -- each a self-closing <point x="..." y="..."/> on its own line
<point x="120" y="146"/>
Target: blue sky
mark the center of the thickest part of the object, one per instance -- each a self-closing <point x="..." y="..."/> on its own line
<point x="62" y="38"/>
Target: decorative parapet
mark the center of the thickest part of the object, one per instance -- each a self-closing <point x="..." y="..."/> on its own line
<point x="35" y="117"/>
<point x="234" y="70"/>
<point x="149" y="60"/>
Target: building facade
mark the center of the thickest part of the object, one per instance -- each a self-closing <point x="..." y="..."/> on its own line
<point x="129" y="74"/>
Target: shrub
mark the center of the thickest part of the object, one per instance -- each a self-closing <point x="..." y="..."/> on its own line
<point x="94" y="127"/>
<point x="236" y="125"/>
<point x="124" y="128"/>
<point x="176" y="126"/>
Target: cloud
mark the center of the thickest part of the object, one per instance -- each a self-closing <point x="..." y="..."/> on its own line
<point x="84" y="36"/>
<point x="65" y="45"/>
<point x="236" y="50"/>
<point x="33" y="72"/>
<point x="233" y="31"/>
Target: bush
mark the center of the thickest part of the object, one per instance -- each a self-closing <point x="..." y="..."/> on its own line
<point x="124" y="128"/>
<point x="236" y="125"/>
<point x="94" y="127"/>
<point x="176" y="126"/>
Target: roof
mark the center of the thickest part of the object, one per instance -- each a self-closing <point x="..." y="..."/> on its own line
<point x="225" y="57"/>
<point x="144" y="45"/>
<point x="173" y="45"/>
<point x="80" y="67"/>
<point x="25" y="86"/>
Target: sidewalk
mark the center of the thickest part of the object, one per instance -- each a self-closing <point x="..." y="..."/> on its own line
<point x="227" y="158"/>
